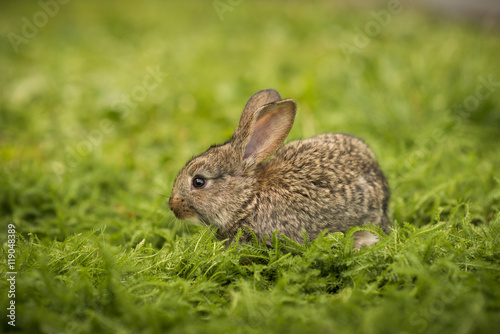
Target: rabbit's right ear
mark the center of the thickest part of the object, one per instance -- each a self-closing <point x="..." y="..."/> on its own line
<point x="262" y="131"/>
<point x="259" y="99"/>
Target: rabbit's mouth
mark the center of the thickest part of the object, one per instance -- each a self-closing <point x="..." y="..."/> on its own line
<point x="181" y="210"/>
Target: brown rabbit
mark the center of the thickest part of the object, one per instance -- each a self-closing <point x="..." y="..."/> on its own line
<point x="328" y="182"/>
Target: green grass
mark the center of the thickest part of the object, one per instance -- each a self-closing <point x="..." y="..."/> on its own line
<point x="98" y="250"/>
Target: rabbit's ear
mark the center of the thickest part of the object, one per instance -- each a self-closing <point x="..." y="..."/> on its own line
<point x="258" y="137"/>
<point x="261" y="98"/>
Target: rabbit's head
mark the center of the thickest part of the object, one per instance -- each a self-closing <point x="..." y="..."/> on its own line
<point x="216" y="186"/>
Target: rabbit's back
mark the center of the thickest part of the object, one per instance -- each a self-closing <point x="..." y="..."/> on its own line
<point x="331" y="181"/>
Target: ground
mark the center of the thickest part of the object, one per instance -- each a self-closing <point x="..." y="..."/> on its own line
<point x="101" y="104"/>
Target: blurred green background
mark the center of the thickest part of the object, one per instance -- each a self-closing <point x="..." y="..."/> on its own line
<point x="102" y="103"/>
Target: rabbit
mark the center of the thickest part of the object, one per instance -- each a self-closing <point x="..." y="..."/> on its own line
<point x="328" y="182"/>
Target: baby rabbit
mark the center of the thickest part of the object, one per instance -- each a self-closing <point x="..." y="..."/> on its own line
<point x="327" y="182"/>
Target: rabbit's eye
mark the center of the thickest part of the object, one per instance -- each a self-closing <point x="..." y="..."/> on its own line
<point x="199" y="182"/>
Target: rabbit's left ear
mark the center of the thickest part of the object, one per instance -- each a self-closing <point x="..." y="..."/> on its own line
<point x="259" y="138"/>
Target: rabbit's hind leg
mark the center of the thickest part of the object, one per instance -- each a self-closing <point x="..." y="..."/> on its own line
<point x="364" y="238"/>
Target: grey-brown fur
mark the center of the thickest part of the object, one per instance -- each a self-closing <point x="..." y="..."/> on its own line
<point x="331" y="181"/>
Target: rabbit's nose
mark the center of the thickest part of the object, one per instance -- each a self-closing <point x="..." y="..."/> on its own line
<point x="176" y="204"/>
<point x="172" y="202"/>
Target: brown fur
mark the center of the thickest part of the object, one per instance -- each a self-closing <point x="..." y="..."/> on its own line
<point x="331" y="181"/>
